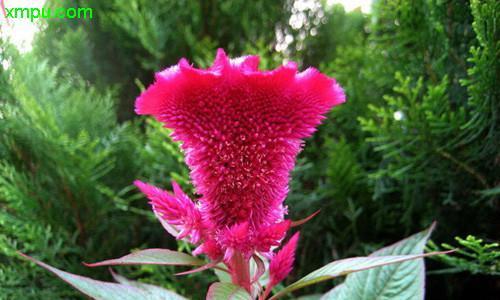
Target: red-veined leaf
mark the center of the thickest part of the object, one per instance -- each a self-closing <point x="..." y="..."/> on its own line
<point x="346" y="266"/>
<point x="151" y="257"/>
<point x="101" y="290"/>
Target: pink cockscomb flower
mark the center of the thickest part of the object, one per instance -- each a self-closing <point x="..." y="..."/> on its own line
<point x="177" y="212"/>
<point x="241" y="130"/>
<point x="282" y="263"/>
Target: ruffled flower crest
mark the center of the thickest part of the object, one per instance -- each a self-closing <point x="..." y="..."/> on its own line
<point x="241" y="129"/>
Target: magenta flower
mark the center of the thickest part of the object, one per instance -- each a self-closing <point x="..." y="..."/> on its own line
<point x="282" y="263"/>
<point x="241" y="130"/>
<point x="177" y="210"/>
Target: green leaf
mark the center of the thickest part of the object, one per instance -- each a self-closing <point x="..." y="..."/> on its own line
<point x="397" y="253"/>
<point x="221" y="275"/>
<point x="153" y="291"/>
<point x="310" y="297"/>
<point x="101" y="290"/>
<point x="402" y="281"/>
<point x="152" y="257"/>
<point x="227" y="291"/>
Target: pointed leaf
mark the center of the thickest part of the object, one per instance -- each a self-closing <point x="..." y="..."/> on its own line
<point x="102" y="290"/>
<point x="154" y="292"/>
<point x="346" y="266"/>
<point x="257" y="268"/>
<point x="227" y="291"/>
<point x="356" y="264"/>
<point x="221" y="275"/>
<point x="152" y="257"/>
<point x="405" y="280"/>
<point x="310" y="297"/>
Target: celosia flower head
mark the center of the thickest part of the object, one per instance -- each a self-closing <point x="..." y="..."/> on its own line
<point x="241" y="130"/>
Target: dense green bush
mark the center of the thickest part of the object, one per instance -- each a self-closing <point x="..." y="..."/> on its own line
<point x="60" y="146"/>
<point x="417" y="140"/>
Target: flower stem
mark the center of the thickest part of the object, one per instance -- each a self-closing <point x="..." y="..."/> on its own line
<point x="240" y="271"/>
<point x="266" y="293"/>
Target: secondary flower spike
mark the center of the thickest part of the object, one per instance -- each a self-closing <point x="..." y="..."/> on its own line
<point x="282" y="263"/>
<point x="241" y="129"/>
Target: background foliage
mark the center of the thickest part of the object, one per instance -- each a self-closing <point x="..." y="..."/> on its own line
<point x="417" y="141"/>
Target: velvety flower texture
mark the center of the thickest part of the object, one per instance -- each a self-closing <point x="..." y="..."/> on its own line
<point x="241" y="130"/>
<point x="282" y="263"/>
